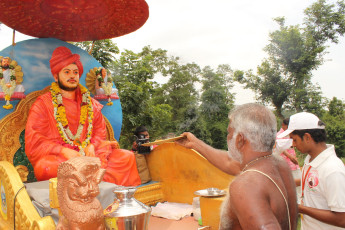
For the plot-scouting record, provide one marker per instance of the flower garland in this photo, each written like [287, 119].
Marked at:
[99, 77]
[8, 88]
[107, 87]
[86, 112]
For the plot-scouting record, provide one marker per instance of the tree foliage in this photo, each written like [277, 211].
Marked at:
[180, 92]
[270, 86]
[335, 125]
[216, 102]
[284, 78]
[198, 100]
[324, 21]
[133, 74]
[104, 51]
[336, 108]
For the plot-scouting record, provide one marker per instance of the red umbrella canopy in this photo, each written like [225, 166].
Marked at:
[74, 20]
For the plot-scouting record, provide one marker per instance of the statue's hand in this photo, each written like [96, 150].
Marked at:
[90, 150]
[113, 144]
[69, 153]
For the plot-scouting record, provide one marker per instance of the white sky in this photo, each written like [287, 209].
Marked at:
[222, 32]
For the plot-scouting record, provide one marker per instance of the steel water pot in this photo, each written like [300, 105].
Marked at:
[126, 213]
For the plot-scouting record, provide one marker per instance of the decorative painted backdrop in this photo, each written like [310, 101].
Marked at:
[33, 56]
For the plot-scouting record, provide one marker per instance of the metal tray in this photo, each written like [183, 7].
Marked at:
[210, 192]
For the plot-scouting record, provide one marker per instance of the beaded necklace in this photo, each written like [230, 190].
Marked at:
[255, 160]
[86, 111]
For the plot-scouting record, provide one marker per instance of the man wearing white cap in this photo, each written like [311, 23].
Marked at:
[323, 175]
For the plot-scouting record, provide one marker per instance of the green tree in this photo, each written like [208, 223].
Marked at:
[284, 78]
[335, 125]
[133, 75]
[104, 51]
[216, 102]
[313, 101]
[324, 22]
[290, 52]
[194, 122]
[270, 86]
[180, 92]
[336, 108]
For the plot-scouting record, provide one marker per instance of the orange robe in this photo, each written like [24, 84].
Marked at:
[43, 142]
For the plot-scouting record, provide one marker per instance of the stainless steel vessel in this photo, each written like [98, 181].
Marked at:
[127, 213]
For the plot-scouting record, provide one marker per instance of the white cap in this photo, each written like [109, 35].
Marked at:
[301, 121]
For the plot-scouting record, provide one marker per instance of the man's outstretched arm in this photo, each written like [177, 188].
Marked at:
[326, 216]
[217, 157]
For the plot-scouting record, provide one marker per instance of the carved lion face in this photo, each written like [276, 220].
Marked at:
[83, 185]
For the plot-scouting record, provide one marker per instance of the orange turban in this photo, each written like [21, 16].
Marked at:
[62, 57]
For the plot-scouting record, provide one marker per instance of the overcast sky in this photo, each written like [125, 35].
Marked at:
[222, 32]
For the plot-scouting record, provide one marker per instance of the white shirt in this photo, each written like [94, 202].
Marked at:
[324, 187]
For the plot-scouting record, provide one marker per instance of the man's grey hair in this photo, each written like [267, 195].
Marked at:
[257, 123]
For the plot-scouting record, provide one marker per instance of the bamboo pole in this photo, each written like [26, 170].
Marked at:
[93, 44]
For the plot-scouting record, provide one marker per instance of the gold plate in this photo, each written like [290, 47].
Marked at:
[158, 142]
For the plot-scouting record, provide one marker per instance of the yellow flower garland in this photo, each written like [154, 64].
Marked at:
[86, 112]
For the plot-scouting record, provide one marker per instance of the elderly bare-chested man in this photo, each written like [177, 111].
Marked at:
[263, 194]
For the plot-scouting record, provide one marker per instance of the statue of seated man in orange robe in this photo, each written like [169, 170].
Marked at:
[66, 122]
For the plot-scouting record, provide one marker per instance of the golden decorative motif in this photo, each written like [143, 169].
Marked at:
[13, 124]
[110, 131]
[91, 79]
[23, 172]
[54, 202]
[150, 194]
[26, 213]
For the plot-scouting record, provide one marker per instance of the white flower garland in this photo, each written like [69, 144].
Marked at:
[107, 87]
[61, 118]
[7, 88]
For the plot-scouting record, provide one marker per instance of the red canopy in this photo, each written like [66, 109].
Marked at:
[74, 20]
